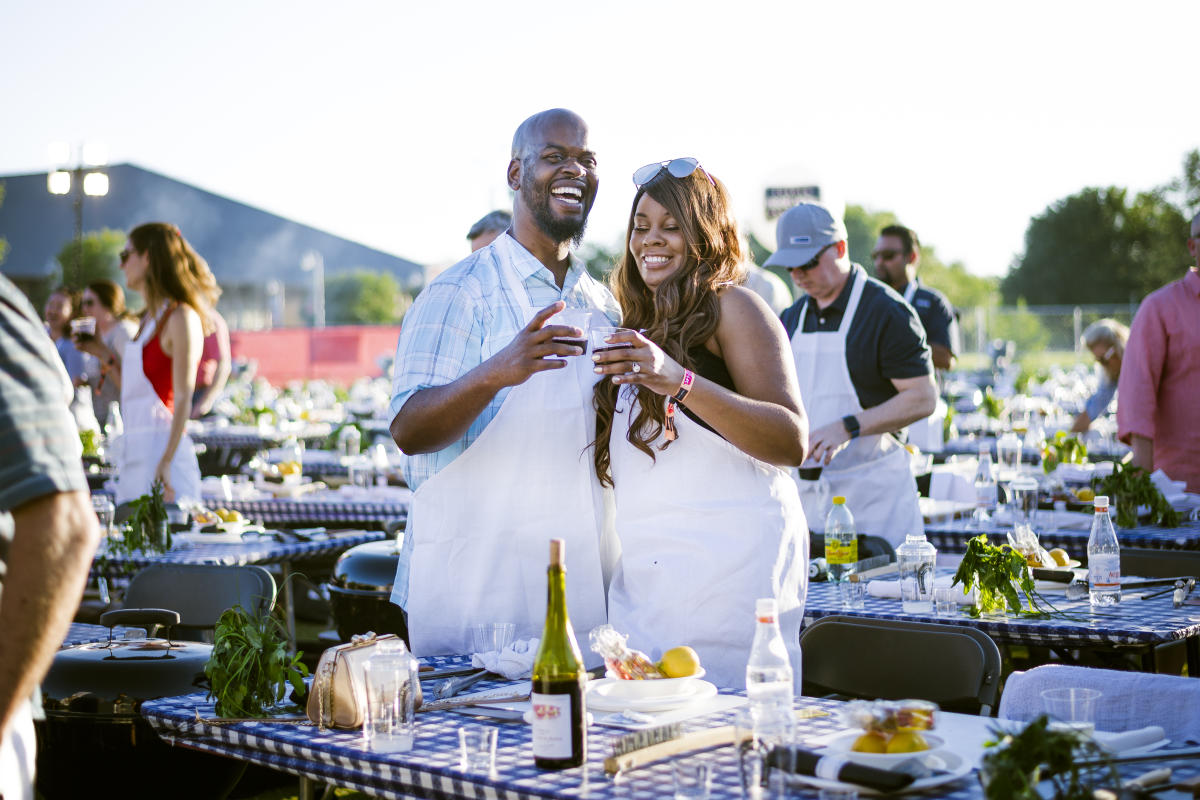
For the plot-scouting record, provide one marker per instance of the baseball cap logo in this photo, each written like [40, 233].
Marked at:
[800, 240]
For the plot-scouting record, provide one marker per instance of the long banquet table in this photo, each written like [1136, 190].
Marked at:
[952, 536]
[431, 769]
[1134, 625]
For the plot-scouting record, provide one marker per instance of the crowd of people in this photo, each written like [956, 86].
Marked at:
[684, 462]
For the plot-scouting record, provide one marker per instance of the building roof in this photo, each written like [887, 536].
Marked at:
[242, 244]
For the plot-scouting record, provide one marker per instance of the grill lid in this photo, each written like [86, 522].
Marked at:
[369, 567]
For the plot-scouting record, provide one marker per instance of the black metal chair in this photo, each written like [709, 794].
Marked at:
[955, 666]
[1146, 563]
[200, 593]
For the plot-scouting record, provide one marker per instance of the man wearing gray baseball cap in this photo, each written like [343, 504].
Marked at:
[865, 372]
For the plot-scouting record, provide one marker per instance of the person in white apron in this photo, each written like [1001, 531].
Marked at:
[493, 485]
[858, 458]
[161, 362]
[709, 520]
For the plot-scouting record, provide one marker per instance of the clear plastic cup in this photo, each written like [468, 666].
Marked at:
[945, 600]
[490, 637]
[693, 779]
[477, 749]
[1073, 708]
[84, 326]
[853, 595]
[599, 339]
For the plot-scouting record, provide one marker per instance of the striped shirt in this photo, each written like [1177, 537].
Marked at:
[464, 317]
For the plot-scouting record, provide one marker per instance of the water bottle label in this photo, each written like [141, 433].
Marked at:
[839, 552]
[551, 725]
[985, 496]
[1104, 571]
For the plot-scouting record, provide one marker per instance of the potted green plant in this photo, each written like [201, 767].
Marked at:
[998, 572]
[250, 669]
[1128, 489]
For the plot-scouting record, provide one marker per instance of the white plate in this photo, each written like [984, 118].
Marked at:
[600, 697]
[956, 767]
[842, 744]
[655, 687]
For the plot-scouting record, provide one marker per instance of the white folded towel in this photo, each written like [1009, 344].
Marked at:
[1128, 699]
[514, 662]
[1117, 743]
[890, 590]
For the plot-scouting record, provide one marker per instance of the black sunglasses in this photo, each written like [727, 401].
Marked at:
[886, 255]
[677, 167]
[125, 254]
[812, 263]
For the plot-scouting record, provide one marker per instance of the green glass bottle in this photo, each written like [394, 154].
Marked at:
[559, 677]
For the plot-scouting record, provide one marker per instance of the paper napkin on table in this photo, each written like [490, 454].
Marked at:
[514, 662]
[1117, 743]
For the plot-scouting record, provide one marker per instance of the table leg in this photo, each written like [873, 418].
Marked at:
[289, 607]
[1193, 656]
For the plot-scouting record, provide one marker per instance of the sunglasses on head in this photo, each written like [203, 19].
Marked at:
[812, 263]
[885, 255]
[677, 167]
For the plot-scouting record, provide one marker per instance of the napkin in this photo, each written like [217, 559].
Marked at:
[890, 590]
[514, 662]
[1129, 740]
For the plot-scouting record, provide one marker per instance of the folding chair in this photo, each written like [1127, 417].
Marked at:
[200, 593]
[1147, 563]
[955, 666]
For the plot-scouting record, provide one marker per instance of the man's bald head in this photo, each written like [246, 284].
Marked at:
[528, 133]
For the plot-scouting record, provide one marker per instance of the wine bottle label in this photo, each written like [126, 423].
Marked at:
[1104, 571]
[551, 725]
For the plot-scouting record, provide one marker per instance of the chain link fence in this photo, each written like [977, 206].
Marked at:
[1034, 329]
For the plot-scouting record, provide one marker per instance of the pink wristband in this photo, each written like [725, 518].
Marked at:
[688, 378]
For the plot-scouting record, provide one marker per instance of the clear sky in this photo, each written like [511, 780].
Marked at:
[390, 122]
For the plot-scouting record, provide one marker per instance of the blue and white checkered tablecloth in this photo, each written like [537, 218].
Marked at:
[252, 550]
[969, 446]
[952, 537]
[431, 769]
[1133, 622]
[82, 633]
[248, 437]
[314, 513]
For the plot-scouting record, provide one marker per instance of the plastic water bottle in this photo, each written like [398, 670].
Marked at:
[841, 541]
[769, 678]
[1104, 558]
[985, 489]
[349, 442]
[917, 559]
[114, 431]
[379, 459]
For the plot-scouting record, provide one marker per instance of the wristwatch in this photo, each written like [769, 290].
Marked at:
[851, 424]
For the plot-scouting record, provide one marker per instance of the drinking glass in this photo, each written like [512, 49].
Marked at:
[477, 748]
[693, 780]
[360, 472]
[853, 595]
[1024, 495]
[105, 510]
[945, 601]
[390, 724]
[492, 637]
[599, 339]
[576, 318]
[85, 326]
[1072, 708]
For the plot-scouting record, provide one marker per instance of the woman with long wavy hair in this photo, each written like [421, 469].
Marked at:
[158, 368]
[697, 420]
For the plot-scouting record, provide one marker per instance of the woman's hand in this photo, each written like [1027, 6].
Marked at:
[162, 474]
[642, 363]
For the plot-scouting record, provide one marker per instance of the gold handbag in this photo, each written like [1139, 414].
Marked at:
[338, 696]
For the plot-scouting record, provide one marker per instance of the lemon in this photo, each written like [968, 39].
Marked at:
[907, 742]
[289, 468]
[870, 742]
[233, 516]
[679, 662]
[1086, 495]
[1060, 556]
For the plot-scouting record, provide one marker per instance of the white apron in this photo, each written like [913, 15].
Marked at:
[481, 527]
[926, 433]
[705, 531]
[18, 755]
[872, 472]
[147, 430]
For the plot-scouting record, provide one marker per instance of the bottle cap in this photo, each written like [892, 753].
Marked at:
[838, 500]
[765, 607]
[1100, 501]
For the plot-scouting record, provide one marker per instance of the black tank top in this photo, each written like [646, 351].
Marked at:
[713, 367]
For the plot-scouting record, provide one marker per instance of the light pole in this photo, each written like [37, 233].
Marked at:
[313, 262]
[85, 178]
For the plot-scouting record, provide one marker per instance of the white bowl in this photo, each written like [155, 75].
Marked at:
[618, 688]
[843, 743]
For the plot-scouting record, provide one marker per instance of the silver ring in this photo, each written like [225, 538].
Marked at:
[637, 367]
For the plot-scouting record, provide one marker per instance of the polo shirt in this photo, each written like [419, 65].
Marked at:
[886, 340]
[937, 316]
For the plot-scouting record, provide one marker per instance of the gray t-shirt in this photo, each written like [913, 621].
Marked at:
[40, 452]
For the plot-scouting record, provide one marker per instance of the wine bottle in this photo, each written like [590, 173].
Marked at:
[559, 735]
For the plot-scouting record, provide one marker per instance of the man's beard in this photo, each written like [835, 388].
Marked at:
[560, 230]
